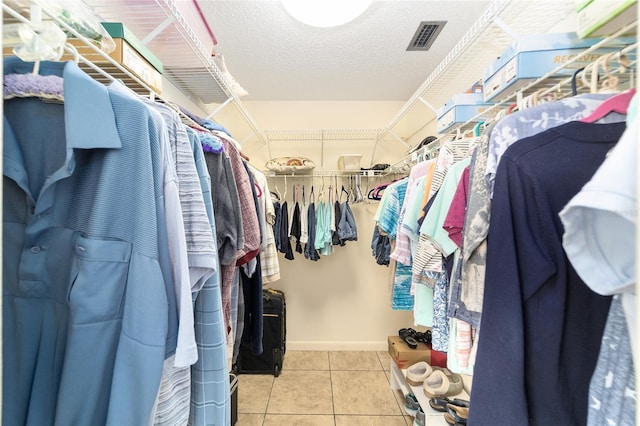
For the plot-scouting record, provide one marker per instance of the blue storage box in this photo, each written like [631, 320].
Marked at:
[460, 109]
[531, 57]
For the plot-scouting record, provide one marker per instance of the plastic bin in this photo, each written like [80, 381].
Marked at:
[349, 162]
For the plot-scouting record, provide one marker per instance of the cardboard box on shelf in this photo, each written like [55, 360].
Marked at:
[129, 52]
[404, 356]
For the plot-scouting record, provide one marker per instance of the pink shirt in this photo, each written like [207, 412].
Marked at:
[454, 222]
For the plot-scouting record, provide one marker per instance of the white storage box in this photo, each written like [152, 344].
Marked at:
[460, 109]
[531, 57]
[349, 162]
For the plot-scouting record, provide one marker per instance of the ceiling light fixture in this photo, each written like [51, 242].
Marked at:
[325, 13]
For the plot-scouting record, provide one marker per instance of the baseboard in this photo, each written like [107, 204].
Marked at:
[337, 346]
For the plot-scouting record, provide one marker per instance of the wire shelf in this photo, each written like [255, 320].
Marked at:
[322, 135]
[186, 62]
[484, 42]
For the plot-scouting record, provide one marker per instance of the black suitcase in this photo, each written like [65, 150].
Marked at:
[273, 338]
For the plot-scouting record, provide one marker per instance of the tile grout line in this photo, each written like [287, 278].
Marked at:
[387, 376]
[266, 409]
[333, 404]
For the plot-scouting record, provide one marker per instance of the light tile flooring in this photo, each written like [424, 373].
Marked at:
[318, 388]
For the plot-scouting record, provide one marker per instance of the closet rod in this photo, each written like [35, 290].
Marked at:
[324, 173]
[568, 79]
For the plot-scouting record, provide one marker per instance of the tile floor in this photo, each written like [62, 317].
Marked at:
[318, 388]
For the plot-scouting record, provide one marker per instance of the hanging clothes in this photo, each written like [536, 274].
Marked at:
[337, 212]
[612, 397]
[277, 238]
[285, 243]
[600, 226]
[310, 251]
[87, 338]
[403, 251]
[296, 227]
[210, 390]
[347, 229]
[270, 266]
[534, 301]
[323, 228]
[521, 124]
[388, 223]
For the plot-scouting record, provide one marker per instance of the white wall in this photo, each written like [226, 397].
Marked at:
[301, 115]
[343, 301]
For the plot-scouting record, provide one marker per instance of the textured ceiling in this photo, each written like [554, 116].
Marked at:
[274, 57]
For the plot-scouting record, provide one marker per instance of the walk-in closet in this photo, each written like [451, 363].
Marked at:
[324, 213]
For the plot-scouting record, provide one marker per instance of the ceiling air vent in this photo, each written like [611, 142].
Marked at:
[426, 34]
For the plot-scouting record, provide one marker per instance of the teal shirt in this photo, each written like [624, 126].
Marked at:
[85, 309]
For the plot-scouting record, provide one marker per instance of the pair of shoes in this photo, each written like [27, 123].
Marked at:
[411, 404]
[456, 415]
[419, 419]
[419, 372]
[440, 404]
[408, 335]
[442, 383]
[424, 337]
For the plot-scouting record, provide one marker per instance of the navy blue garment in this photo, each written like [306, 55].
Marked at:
[310, 251]
[335, 237]
[253, 309]
[541, 325]
[296, 230]
[285, 243]
[381, 247]
[252, 291]
[426, 209]
[276, 224]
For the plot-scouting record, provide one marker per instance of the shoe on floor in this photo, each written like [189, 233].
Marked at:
[442, 383]
[417, 373]
[420, 419]
[457, 413]
[440, 403]
[411, 404]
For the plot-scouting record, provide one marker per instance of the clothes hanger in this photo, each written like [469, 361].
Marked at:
[34, 41]
[345, 192]
[574, 81]
[321, 192]
[304, 201]
[284, 197]
[277, 190]
[29, 85]
[617, 103]
[359, 194]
